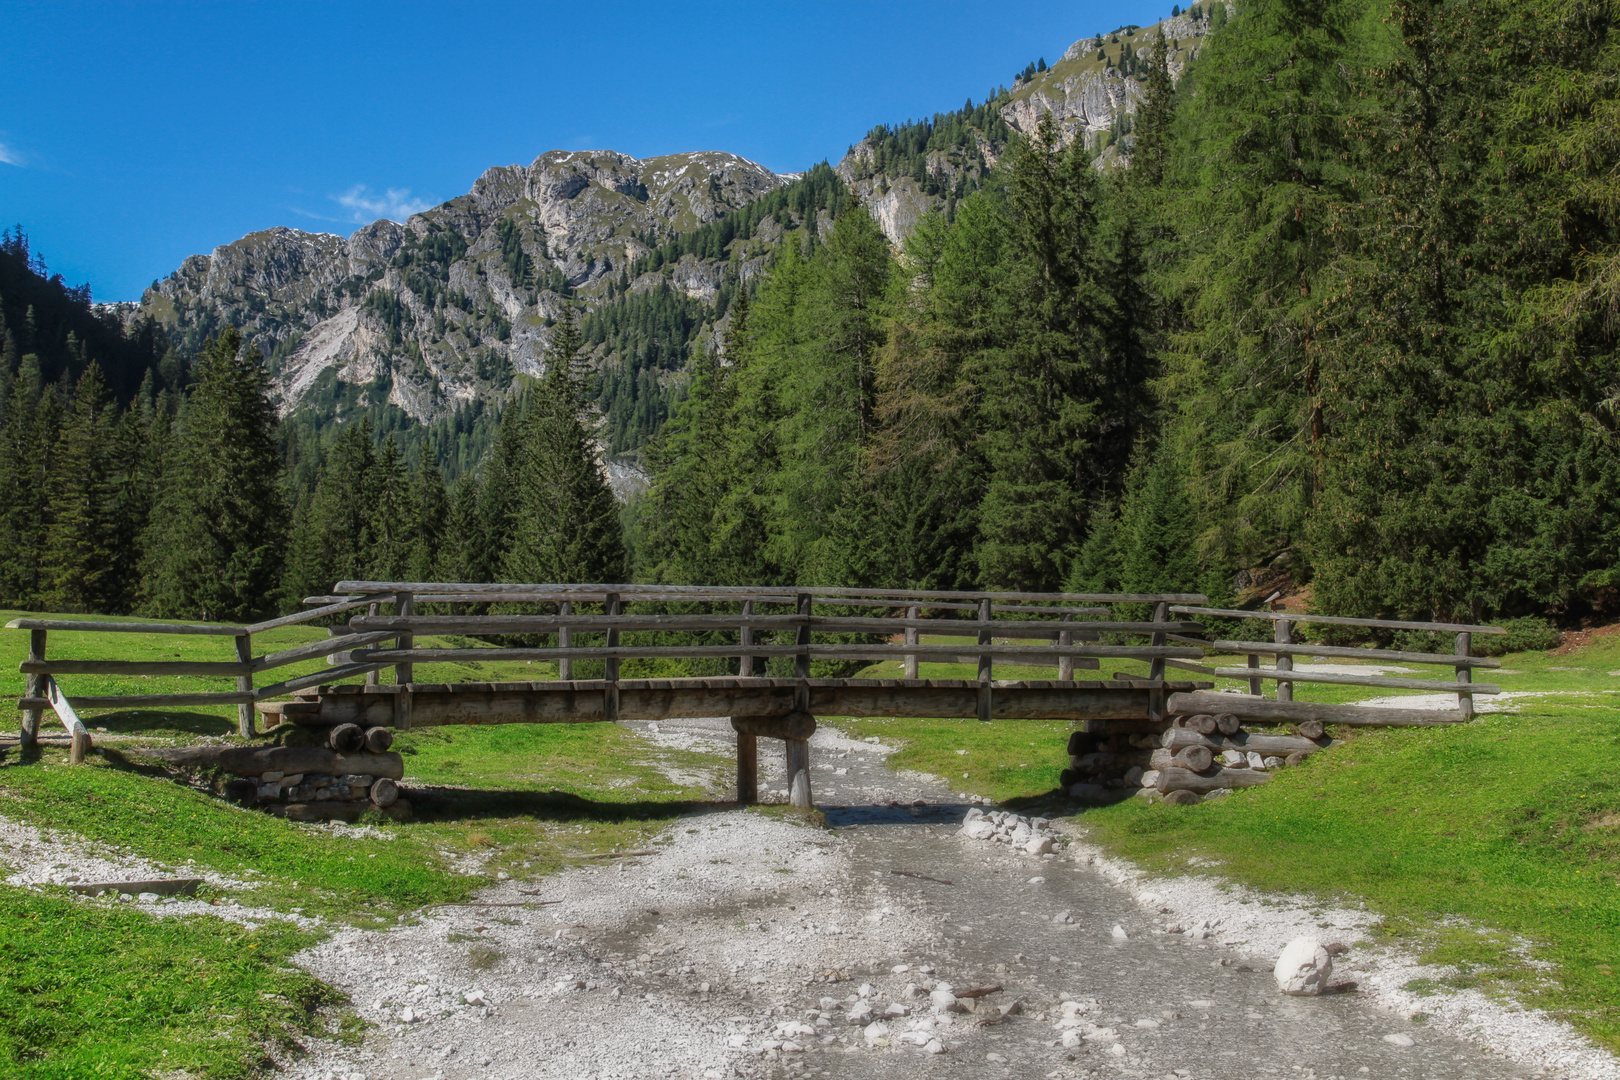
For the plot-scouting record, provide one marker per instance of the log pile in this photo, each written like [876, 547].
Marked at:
[1185, 759]
[355, 772]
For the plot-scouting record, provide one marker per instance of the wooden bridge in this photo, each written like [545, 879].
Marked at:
[763, 645]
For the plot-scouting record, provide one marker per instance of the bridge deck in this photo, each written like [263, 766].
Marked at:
[586, 701]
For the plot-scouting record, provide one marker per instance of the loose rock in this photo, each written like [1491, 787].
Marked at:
[1304, 968]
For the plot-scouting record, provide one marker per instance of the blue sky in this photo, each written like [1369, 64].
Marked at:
[133, 135]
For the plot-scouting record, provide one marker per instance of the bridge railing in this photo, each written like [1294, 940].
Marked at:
[1283, 648]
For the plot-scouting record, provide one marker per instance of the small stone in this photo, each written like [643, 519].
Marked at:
[1273, 762]
[292, 779]
[943, 1001]
[148, 898]
[1255, 760]
[860, 1015]
[475, 997]
[1011, 1008]
[1071, 1039]
[270, 791]
[270, 777]
[900, 969]
[1119, 933]
[407, 1015]
[978, 829]
[864, 990]
[1304, 968]
[896, 1009]
[1039, 845]
[356, 780]
[1063, 917]
[1399, 1039]
[1133, 776]
[876, 1030]
[1147, 1023]
[1201, 1003]
[973, 814]
[1233, 757]
[1118, 1050]
[912, 992]
[934, 1047]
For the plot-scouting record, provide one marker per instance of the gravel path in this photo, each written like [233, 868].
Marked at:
[743, 943]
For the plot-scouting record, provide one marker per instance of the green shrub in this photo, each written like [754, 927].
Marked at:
[1527, 634]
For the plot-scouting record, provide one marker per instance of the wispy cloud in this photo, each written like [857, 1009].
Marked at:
[364, 206]
[10, 155]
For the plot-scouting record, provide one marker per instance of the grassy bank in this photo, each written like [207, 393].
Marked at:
[1493, 846]
[101, 989]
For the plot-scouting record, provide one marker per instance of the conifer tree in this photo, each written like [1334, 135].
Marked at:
[83, 555]
[565, 522]
[214, 548]
[33, 416]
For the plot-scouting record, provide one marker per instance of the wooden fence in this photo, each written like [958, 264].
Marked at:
[1060, 630]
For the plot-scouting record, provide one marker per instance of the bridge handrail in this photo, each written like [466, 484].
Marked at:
[751, 592]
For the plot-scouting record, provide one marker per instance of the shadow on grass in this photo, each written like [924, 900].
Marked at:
[162, 722]
[436, 803]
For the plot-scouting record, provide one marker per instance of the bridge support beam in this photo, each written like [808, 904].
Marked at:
[747, 768]
[794, 730]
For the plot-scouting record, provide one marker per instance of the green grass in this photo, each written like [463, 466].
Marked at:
[1493, 847]
[102, 990]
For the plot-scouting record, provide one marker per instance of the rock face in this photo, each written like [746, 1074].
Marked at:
[444, 308]
[1304, 968]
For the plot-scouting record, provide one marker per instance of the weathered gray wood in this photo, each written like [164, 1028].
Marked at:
[913, 637]
[79, 746]
[378, 740]
[315, 649]
[513, 624]
[1065, 638]
[1257, 685]
[795, 725]
[346, 738]
[745, 638]
[565, 639]
[1465, 698]
[373, 677]
[495, 588]
[125, 627]
[1227, 723]
[797, 752]
[208, 668]
[610, 695]
[747, 767]
[801, 663]
[1194, 757]
[1282, 630]
[1202, 723]
[877, 652]
[384, 791]
[1161, 617]
[312, 614]
[405, 605]
[64, 709]
[332, 674]
[163, 887]
[34, 688]
[255, 761]
[1334, 620]
[1352, 680]
[151, 701]
[1174, 779]
[1279, 711]
[1183, 665]
[985, 662]
[1281, 745]
[244, 685]
[1265, 648]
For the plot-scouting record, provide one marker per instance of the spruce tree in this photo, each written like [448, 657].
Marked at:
[84, 515]
[27, 443]
[565, 521]
[214, 548]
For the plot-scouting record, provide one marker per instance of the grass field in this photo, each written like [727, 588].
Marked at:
[102, 989]
[1493, 846]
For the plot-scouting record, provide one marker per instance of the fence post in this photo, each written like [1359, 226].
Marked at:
[1465, 675]
[244, 684]
[745, 668]
[748, 767]
[801, 661]
[1065, 638]
[373, 678]
[1161, 614]
[29, 736]
[565, 640]
[610, 667]
[404, 604]
[1283, 634]
[912, 636]
[1257, 685]
[985, 665]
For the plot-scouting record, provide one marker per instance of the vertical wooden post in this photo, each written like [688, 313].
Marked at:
[610, 694]
[747, 767]
[913, 635]
[373, 678]
[29, 735]
[404, 604]
[798, 773]
[1161, 614]
[244, 684]
[801, 661]
[1465, 700]
[1065, 665]
[1257, 685]
[565, 640]
[745, 669]
[78, 746]
[1284, 635]
[985, 666]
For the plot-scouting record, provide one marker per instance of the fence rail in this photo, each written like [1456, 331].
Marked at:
[995, 627]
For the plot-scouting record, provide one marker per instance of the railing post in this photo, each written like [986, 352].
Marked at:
[912, 637]
[1161, 614]
[745, 669]
[1257, 685]
[565, 640]
[801, 661]
[404, 604]
[244, 684]
[373, 677]
[29, 736]
[985, 665]
[1465, 675]
[1065, 664]
[1283, 634]
[610, 666]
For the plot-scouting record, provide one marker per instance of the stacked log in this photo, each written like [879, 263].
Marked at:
[308, 783]
[1185, 759]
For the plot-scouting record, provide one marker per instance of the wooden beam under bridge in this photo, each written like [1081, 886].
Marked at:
[585, 701]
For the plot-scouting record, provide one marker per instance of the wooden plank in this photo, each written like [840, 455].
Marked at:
[244, 685]
[1182, 665]
[157, 701]
[204, 668]
[405, 606]
[287, 686]
[1280, 745]
[513, 624]
[880, 652]
[1334, 620]
[316, 649]
[1262, 709]
[220, 630]
[64, 709]
[1351, 680]
[740, 592]
[1267, 648]
[795, 725]
[315, 613]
